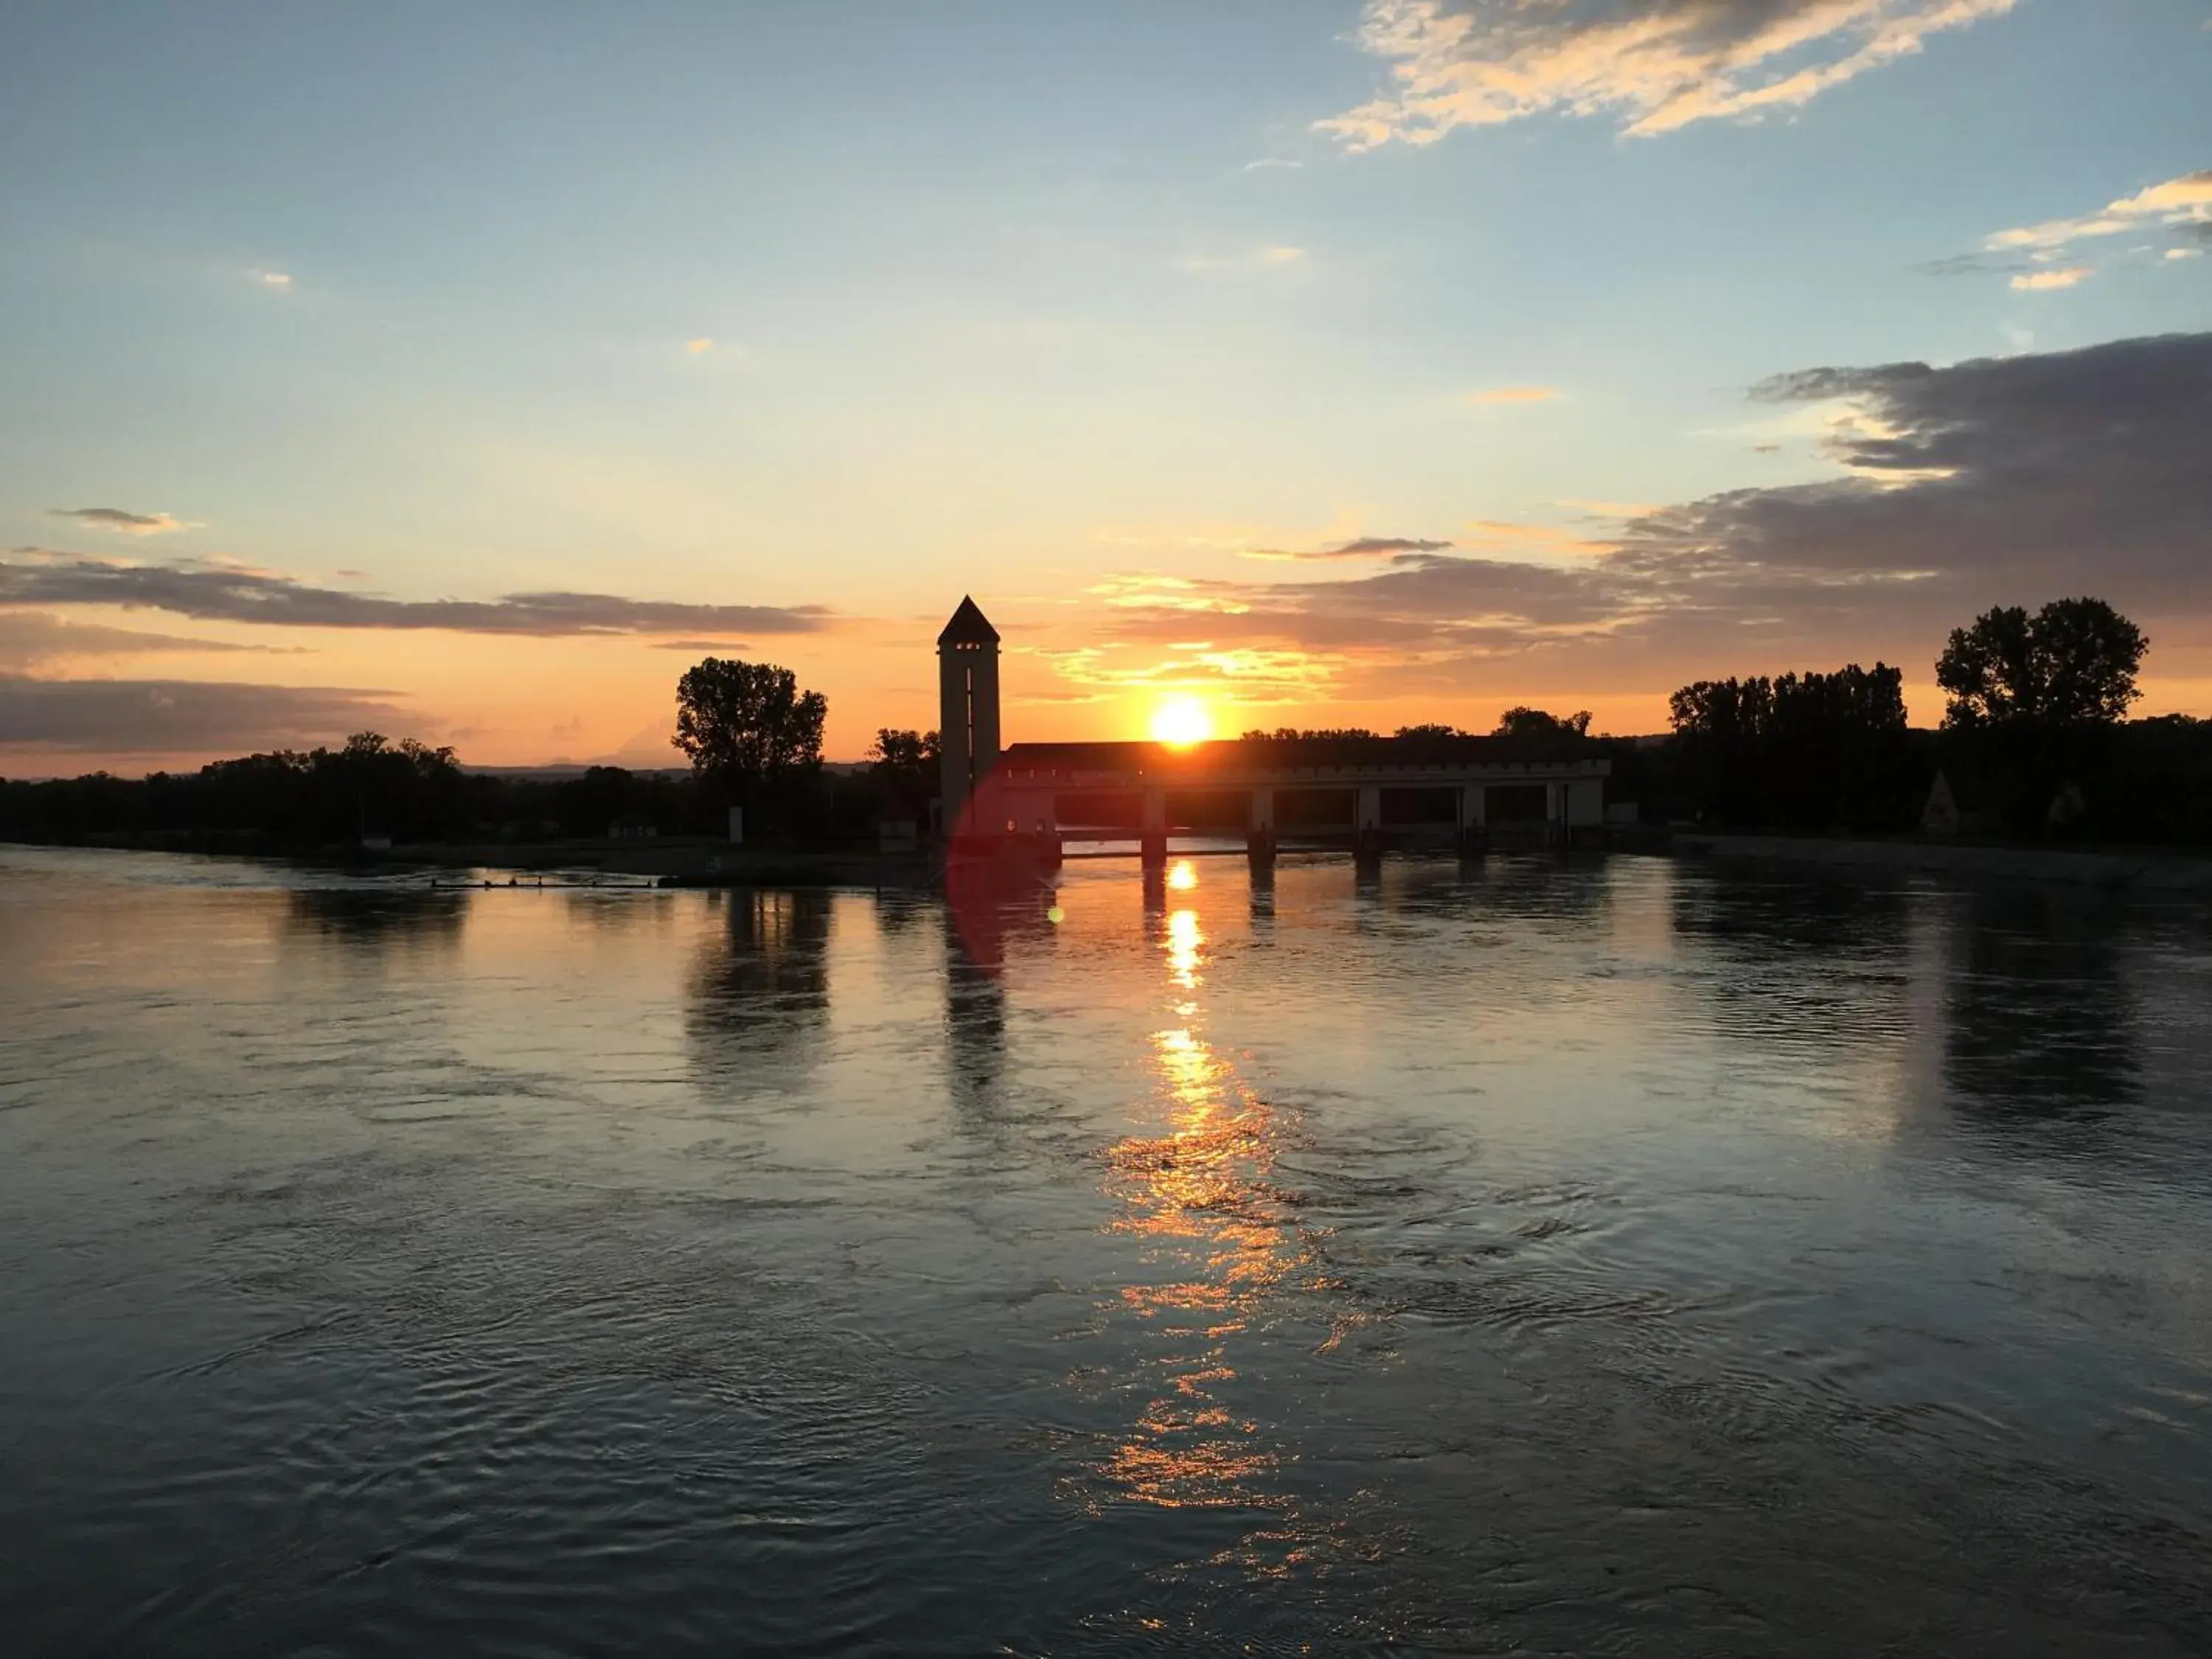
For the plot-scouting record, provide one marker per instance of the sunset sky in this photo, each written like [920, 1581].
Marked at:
[469, 371]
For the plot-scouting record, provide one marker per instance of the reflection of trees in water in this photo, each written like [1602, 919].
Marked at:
[1782, 920]
[1402, 903]
[1797, 961]
[1553, 888]
[898, 909]
[379, 916]
[760, 986]
[2040, 1020]
[2037, 1018]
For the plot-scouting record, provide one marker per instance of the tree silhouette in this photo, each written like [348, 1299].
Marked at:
[747, 725]
[904, 764]
[1800, 750]
[1522, 722]
[2072, 664]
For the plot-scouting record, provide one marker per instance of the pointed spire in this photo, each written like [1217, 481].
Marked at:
[969, 626]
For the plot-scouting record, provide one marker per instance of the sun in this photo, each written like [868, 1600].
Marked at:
[1182, 722]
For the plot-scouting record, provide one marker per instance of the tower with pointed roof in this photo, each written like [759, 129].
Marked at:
[966, 708]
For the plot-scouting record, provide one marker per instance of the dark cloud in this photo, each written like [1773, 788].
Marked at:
[180, 717]
[2050, 471]
[32, 636]
[115, 517]
[1999, 480]
[112, 518]
[219, 593]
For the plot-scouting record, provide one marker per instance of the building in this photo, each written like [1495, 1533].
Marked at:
[966, 708]
[1368, 790]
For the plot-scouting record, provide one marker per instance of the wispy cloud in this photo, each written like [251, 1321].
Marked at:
[1242, 673]
[1657, 65]
[1266, 162]
[2184, 201]
[181, 717]
[2047, 282]
[1513, 394]
[1364, 547]
[122, 523]
[1150, 590]
[226, 593]
[700, 347]
[29, 637]
[277, 281]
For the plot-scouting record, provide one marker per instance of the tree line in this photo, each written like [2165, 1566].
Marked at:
[2034, 742]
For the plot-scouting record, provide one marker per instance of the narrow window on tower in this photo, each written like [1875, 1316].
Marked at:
[969, 676]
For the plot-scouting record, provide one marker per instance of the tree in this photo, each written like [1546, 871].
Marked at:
[905, 767]
[1803, 751]
[1522, 721]
[2071, 665]
[900, 751]
[748, 724]
[1429, 729]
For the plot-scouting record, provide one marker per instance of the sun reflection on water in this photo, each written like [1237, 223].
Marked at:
[1198, 1192]
[1185, 940]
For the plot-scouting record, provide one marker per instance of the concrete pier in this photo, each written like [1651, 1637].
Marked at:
[1152, 831]
[1473, 832]
[1259, 828]
[1367, 821]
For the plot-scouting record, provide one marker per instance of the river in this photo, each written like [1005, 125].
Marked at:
[1541, 1257]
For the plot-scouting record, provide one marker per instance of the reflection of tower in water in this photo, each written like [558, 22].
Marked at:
[974, 1020]
[1198, 1193]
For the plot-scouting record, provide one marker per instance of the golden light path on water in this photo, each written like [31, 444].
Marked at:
[1197, 1190]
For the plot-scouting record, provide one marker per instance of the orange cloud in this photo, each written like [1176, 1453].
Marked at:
[1662, 64]
[2046, 282]
[2184, 201]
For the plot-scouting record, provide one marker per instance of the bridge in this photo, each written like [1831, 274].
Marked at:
[1370, 790]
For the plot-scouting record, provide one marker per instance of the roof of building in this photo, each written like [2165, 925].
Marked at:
[969, 626]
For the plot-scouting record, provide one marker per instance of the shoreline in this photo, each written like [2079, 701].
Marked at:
[2158, 872]
[683, 862]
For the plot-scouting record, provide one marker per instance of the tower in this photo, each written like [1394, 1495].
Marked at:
[967, 706]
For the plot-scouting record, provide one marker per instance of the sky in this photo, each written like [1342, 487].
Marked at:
[467, 372]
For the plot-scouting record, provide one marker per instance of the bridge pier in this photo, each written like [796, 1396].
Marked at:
[1367, 822]
[1152, 833]
[1473, 832]
[1259, 828]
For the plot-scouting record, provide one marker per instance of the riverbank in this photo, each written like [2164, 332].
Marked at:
[677, 862]
[2152, 871]
[674, 861]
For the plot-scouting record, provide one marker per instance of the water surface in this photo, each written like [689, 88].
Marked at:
[1533, 1257]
